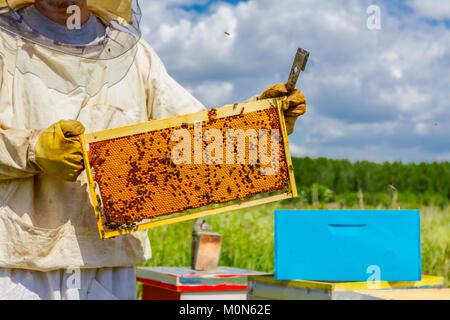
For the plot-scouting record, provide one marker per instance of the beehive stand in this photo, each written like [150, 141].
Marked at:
[135, 185]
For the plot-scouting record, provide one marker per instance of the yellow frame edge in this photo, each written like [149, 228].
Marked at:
[96, 204]
[177, 121]
[427, 281]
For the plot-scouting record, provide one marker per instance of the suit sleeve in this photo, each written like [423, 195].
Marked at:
[16, 151]
[16, 148]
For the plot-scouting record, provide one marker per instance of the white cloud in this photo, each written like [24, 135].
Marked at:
[434, 9]
[299, 151]
[405, 98]
[366, 90]
[423, 128]
[213, 93]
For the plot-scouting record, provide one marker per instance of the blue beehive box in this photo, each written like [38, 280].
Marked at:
[347, 245]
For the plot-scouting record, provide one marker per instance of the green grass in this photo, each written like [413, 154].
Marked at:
[436, 242]
[249, 239]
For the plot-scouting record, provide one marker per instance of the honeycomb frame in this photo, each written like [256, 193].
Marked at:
[101, 204]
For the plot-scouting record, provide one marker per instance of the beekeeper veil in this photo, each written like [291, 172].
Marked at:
[65, 66]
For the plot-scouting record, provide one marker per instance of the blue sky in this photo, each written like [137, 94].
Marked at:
[202, 6]
[372, 94]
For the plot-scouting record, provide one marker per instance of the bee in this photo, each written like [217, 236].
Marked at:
[229, 190]
[218, 183]
[197, 187]
[212, 114]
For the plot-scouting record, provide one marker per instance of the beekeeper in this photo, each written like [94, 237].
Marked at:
[65, 70]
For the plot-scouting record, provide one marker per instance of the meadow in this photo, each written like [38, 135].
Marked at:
[248, 235]
[248, 241]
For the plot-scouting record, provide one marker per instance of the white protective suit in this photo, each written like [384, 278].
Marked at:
[47, 225]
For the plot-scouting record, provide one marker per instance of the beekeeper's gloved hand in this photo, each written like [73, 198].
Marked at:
[58, 151]
[293, 107]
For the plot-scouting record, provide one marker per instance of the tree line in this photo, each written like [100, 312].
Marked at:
[343, 176]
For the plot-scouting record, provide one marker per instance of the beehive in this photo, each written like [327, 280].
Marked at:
[137, 182]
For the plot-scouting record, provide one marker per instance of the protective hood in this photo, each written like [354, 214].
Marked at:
[119, 8]
[66, 67]
[122, 20]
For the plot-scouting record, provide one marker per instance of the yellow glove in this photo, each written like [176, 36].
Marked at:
[58, 151]
[294, 106]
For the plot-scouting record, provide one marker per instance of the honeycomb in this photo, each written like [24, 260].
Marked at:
[138, 180]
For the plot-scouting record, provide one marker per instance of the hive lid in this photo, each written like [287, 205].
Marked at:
[179, 277]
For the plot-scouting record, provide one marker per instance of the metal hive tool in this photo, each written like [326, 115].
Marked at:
[135, 184]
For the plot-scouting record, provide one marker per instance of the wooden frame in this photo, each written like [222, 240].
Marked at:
[226, 111]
